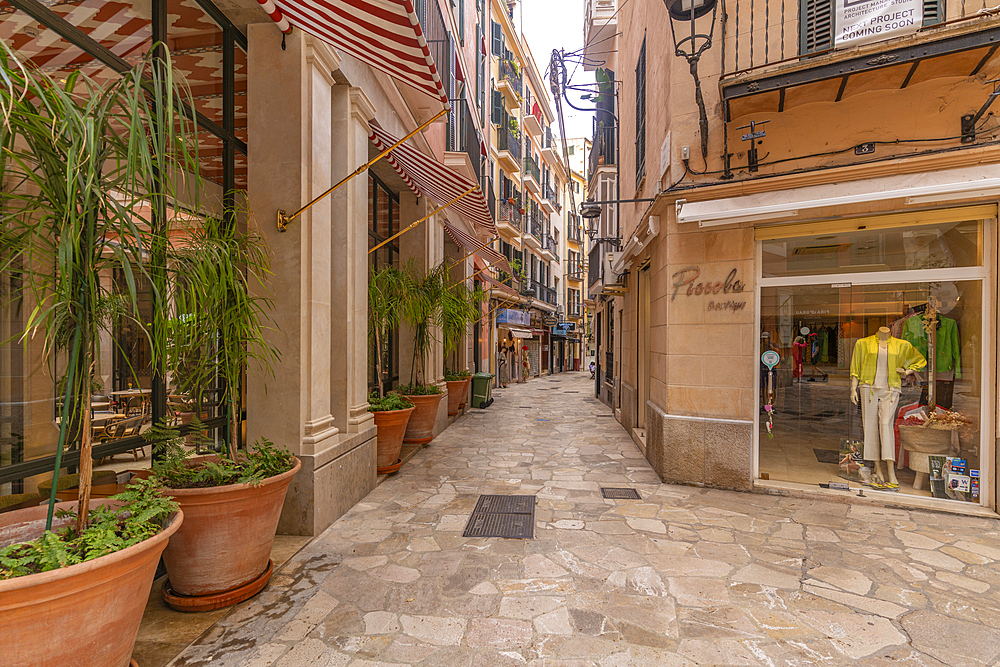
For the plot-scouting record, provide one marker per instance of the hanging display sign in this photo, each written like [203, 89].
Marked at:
[866, 21]
[512, 316]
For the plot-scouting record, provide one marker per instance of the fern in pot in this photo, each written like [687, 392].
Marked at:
[80, 161]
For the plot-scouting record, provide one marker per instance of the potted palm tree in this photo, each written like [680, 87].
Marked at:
[391, 411]
[420, 295]
[232, 501]
[460, 307]
[80, 161]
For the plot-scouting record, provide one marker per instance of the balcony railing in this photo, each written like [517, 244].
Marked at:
[531, 168]
[463, 137]
[602, 152]
[510, 142]
[541, 292]
[510, 74]
[552, 195]
[509, 215]
[553, 247]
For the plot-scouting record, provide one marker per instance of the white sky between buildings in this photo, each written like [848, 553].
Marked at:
[558, 24]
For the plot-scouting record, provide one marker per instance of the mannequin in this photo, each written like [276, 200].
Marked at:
[876, 367]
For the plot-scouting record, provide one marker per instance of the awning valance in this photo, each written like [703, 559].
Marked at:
[428, 177]
[473, 244]
[384, 34]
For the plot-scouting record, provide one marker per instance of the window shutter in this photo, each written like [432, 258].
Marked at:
[461, 21]
[640, 115]
[933, 12]
[497, 41]
[497, 115]
[816, 26]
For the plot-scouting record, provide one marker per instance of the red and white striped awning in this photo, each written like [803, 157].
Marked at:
[382, 33]
[428, 177]
[473, 244]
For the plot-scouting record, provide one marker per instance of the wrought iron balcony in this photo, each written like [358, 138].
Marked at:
[602, 151]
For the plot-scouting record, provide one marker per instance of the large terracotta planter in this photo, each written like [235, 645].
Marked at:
[457, 392]
[221, 556]
[465, 393]
[85, 615]
[391, 427]
[420, 430]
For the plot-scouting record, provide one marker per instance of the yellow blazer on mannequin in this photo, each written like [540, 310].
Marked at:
[901, 354]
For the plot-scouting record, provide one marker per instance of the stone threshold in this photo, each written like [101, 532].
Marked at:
[872, 497]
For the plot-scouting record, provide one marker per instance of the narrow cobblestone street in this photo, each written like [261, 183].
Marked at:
[685, 576]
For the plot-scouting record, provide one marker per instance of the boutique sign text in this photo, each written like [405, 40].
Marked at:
[866, 21]
[688, 282]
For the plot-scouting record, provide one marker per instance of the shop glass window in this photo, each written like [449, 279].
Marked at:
[852, 248]
[815, 429]
[29, 380]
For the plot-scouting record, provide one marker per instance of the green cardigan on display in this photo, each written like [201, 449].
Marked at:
[947, 348]
[902, 354]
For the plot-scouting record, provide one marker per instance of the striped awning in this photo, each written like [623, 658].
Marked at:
[473, 244]
[428, 177]
[382, 33]
[498, 285]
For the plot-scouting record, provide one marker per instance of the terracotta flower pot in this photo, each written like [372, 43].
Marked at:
[391, 427]
[222, 554]
[86, 615]
[456, 395]
[465, 393]
[420, 430]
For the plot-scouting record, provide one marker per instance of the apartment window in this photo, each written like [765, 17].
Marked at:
[461, 21]
[640, 115]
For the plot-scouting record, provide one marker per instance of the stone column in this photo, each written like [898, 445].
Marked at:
[298, 136]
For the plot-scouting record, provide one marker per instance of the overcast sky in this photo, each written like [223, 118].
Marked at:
[558, 24]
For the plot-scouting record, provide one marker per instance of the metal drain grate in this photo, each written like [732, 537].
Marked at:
[502, 516]
[604, 415]
[620, 493]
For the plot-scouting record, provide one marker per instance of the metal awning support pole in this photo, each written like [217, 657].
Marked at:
[284, 219]
[429, 215]
[473, 252]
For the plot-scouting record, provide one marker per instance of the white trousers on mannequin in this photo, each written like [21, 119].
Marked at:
[878, 409]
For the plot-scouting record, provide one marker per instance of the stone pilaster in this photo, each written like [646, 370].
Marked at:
[301, 144]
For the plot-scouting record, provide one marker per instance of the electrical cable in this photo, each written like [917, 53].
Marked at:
[840, 151]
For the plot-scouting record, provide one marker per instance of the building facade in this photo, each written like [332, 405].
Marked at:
[789, 230]
[530, 178]
[281, 118]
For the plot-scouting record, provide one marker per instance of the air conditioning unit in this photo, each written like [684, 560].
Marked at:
[610, 277]
[614, 283]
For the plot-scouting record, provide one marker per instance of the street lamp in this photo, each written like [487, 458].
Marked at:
[591, 211]
[692, 45]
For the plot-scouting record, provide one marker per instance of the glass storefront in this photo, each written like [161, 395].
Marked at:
[874, 321]
[209, 54]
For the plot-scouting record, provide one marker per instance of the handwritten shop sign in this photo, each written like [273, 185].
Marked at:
[689, 282]
[866, 21]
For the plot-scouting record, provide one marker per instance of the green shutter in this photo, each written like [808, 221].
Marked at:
[816, 25]
[933, 12]
[497, 41]
[497, 116]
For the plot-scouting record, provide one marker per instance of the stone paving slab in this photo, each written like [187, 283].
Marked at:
[683, 577]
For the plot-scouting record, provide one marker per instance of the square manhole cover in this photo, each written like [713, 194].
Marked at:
[620, 493]
[502, 516]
